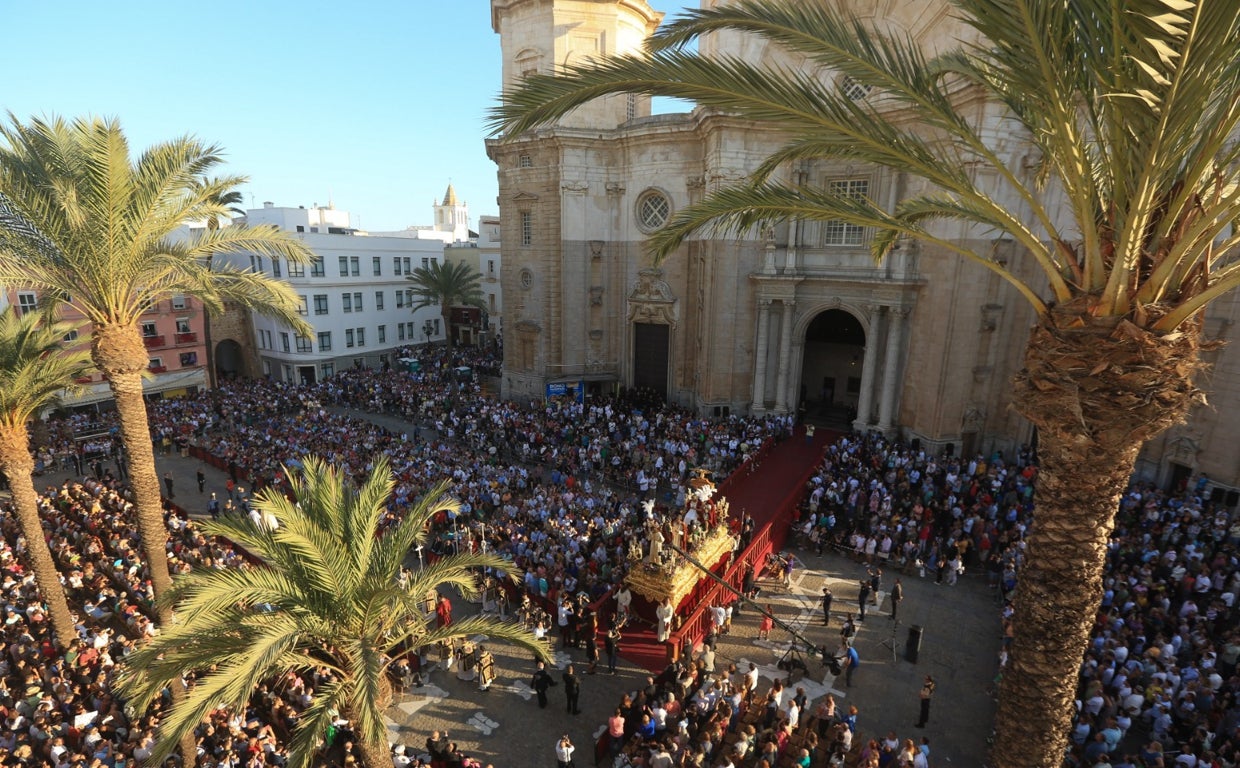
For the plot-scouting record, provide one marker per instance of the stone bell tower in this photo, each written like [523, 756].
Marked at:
[543, 35]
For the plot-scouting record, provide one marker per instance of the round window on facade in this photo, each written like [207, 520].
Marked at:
[853, 89]
[653, 210]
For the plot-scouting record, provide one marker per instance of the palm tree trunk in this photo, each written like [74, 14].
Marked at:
[118, 351]
[375, 755]
[446, 311]
[1092, 420]
[17, 464]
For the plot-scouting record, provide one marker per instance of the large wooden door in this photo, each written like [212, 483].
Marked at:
[650, 353]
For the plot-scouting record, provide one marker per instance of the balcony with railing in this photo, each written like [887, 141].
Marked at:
[186, 338]
[158, 369]
[152, 342]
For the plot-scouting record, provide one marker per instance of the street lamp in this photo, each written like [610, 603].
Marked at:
[428, 328]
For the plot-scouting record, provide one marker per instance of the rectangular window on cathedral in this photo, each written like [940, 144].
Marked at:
[527, 228]
[835, 231]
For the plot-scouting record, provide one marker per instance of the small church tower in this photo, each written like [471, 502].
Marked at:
[452, 216]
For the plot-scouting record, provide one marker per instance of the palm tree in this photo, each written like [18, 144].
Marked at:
[1131, 112]
[448, 285]
[326, 593]
[35, 370]
[95, 230]
[230, 200]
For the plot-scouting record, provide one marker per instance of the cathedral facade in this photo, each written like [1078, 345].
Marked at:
[796, 318]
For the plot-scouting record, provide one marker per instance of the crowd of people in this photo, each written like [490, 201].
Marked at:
[558, 494]
[59, 707]
[1159, 683]
[557, 487]
[697, 714]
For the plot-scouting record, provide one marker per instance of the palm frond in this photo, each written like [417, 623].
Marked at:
[411, 530]
[263, 239]
[311, 731]
[80, 217]
[459, 571]
[324, 594]
[268, 297]
[35, 368]
[449, 284]
[362, 514]
[1131, 107]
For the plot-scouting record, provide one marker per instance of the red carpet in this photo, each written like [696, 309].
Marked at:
[762, 488]
[781, 473]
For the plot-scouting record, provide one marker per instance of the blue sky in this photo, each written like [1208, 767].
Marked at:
[377, 104]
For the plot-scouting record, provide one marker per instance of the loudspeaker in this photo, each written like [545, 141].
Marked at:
[913, 647]
[915, 446]
[1233, 498]
[1217, 494]
[949, 450]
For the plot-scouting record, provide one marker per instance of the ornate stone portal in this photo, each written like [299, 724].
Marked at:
[652, 300]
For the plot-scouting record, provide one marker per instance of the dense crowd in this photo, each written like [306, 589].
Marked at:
[698, 714]
[562, 514]
[557, 486]
[58, 707]
[1159, 684]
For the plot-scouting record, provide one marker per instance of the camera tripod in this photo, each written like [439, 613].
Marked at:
[891, 641]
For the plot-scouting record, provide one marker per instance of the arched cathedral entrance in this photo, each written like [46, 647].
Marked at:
[831, 369]
[228, 360]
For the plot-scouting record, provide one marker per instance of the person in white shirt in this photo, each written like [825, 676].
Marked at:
[922, 758]
[751, 679]
[664, 614]
[624, 598]
[564, 752]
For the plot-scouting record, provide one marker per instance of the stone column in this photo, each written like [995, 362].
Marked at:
[759, 363]
[785, 357]
[895, 339]
[869, 371]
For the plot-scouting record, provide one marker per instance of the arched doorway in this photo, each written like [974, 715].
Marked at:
[228, 360]
[831, 370]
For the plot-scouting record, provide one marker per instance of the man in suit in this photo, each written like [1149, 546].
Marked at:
[572, 690]
[612, 646]
[541, 683]
[826, 606]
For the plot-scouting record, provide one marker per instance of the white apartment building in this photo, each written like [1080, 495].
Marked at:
[354, 295]
[489, 266]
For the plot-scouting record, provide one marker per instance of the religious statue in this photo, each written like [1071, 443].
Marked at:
[655, 552]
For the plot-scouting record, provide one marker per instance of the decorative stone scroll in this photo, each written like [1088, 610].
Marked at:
[652, 301]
